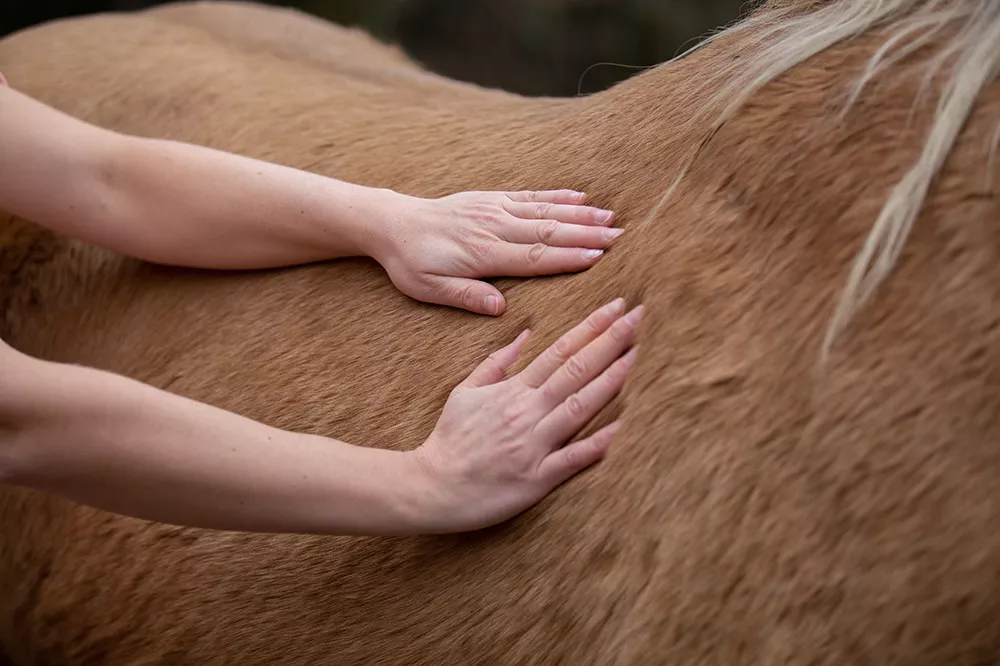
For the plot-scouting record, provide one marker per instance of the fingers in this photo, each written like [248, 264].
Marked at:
[539, 259]
[582, 367]
[572, 459]
[559, 234]
[540, 369]
[583, 405]
[568, 213]
[552, 196]
[472, 295]
[495, 366]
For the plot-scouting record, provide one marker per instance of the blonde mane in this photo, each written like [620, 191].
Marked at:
[788, 33]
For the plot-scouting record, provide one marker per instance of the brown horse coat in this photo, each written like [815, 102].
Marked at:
[757, 508]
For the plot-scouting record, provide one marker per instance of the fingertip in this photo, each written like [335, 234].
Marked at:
[493, 305]
[603, 437]
[611, 234]
[578, 456]
[608, 313]
[635, 315]
[561, 196]
[570, 460]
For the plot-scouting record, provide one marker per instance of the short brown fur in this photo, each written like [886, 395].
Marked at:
[754, 509]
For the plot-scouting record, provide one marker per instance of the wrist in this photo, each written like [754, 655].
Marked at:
[417, 498]
[416, 501]
[432, 483]
[366, 491]
[366, 218]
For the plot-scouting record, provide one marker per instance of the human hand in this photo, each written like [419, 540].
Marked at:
[497, 448]
[435, 250]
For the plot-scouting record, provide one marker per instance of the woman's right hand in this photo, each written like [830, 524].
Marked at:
[498, 447]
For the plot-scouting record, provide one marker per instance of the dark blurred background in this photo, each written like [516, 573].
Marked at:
[534, 47]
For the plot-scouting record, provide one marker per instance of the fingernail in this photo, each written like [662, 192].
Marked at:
[523, 336]
[592, 254]
[635, 316]
[580, 196]
[611, 234]
[605, 216]
[615, 306]
[492, 304]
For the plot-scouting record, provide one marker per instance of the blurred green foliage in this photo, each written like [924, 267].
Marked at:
[535, 47]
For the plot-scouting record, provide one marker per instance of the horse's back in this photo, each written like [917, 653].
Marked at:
[757, 507]
[297, 36]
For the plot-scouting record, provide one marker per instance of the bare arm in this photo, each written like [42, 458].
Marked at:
[177, 203]
[120, 445]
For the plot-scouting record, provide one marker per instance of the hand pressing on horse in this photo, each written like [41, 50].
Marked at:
[123, 446]
[178, 203]
[498, 447]
[436, 250]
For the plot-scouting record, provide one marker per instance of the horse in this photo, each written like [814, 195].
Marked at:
[807, 469]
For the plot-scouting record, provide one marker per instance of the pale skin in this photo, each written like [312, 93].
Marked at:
[111, 442]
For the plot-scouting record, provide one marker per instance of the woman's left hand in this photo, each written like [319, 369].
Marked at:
[437, 250]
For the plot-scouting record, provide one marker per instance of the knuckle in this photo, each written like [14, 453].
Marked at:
[576, 368]
[526, 466]
[575, 406]
[573, 458]
[467, 296]
[621, 332]
[549, 395]
[485, 216]
[542, 210]
[423, 280]
[546, 230]
[536, 252]
[596, 322]
[561, 350]
[479, 250]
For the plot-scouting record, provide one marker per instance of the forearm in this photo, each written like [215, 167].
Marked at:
[125, 447]
[177, 203]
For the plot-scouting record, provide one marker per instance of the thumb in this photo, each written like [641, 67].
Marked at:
[472, 295]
